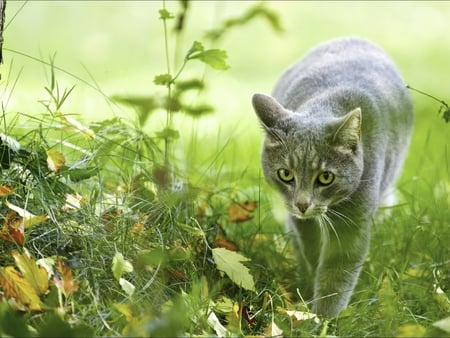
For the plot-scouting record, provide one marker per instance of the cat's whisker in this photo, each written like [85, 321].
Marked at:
[323, 228]
[347, 220]
[327, 219]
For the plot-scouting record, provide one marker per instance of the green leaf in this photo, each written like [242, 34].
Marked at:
[191, 84]
[230, 263]
[77, 175]
[196, 48]
[168, 133]
[162, 79]
[164, 14]
[54, 326]
[200, 110]
[12, 323]
[127, 286]
[34, 274]
[215, 58]
[120, 266]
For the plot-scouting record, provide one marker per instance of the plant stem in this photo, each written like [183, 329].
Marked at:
[169, 92]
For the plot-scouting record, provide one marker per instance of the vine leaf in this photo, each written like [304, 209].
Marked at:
[215, 58]
[230, 263]
[163, 79]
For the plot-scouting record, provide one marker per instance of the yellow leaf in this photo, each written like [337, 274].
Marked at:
[16, 287]
[28, 218]
[411, 330]
[34, 274]
[55, 160]
[63, 278]
[73, 202]
[13, 229]
[241, 212]
[230, 263]
[77, 125]
[5, 191]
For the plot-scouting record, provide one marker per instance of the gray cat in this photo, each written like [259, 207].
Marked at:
[337, 129]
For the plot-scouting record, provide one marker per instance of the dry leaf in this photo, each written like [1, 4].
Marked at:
[73, 202]
[241, 212]
[63, 278]
[28, 218]
[15, 286]
[13, 228]
[77, 125]
[34, 274]
[55, 160]
[224, 243]
[5, 191]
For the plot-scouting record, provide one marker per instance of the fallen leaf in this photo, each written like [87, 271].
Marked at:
[63, 278]
[411, 330]
[28, 218]
[55, 160]
[34, 274]
[214, 323]
[73, 202]
[13, 228]
[302, 316]
[120, 266]
[77, 125]
[230, 263]
[127, 286]
[5, 190]
[241, 212]
[443, 324]
[273, 330]
[224, 243]
[15, 286]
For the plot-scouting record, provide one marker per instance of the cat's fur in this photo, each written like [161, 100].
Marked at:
[342, 114]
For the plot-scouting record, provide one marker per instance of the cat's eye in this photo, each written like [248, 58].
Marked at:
[285, 175]
[325, 178]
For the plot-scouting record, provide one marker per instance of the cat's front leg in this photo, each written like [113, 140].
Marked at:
[340, 264]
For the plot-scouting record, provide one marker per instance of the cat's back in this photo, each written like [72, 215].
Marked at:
[348, 65]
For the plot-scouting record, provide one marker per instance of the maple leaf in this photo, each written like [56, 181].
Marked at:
[241, 212]
[63, 279]
[55, 160]
[230, 263]
[34, 274]
[15, 286]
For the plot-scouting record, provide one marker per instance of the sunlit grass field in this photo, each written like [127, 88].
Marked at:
[140, 236]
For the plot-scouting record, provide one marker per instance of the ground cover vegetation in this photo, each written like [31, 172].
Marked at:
[107, 230]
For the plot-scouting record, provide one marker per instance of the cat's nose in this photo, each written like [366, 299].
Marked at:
[302, 207]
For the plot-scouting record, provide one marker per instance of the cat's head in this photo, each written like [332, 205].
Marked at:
[314, 161]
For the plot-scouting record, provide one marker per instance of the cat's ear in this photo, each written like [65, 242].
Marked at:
[268, 110]
[348, 132]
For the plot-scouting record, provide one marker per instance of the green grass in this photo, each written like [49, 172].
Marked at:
[167, 232]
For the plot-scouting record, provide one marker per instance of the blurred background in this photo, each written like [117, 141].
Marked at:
[108, 48]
